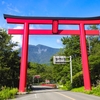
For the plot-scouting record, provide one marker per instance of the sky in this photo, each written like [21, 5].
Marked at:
[46, 8]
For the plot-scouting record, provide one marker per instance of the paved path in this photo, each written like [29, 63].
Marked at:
[45, 93]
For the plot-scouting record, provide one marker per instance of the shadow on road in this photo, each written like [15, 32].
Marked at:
[43, 89]
[39, 89]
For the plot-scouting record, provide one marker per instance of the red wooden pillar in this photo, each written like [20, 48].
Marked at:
[85, 66]
[24, 58]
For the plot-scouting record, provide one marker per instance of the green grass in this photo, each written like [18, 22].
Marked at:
[63, 88]
[8, 93]
[94, 91]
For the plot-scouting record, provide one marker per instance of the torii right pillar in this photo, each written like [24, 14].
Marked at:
[84, 58]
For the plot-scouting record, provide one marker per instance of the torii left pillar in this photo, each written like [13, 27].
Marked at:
[24, 55]
[24, 58]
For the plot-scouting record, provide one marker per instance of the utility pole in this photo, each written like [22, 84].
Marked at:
[89, 45]
[71, 68]
[63, 60]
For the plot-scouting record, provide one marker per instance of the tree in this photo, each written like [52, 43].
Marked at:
[94, 58]
[72, 48]
[61, 72]
[45, 72]
[9, 60]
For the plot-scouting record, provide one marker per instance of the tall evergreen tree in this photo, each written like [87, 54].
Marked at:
[9, 60]
[94, 58]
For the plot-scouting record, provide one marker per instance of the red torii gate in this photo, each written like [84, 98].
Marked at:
[54, 21]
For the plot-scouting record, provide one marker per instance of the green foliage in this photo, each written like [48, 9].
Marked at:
[8, 93]
[64, 87]
[79, 89]
[91, 27]
[94, 62]
[68, 85]
[43, 70]
[9, 61]
[61, 72]
[94, 91]
[78, 80]
[72, 48]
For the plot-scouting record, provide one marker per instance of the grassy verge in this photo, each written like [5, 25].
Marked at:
[94, 91]
[8, 93]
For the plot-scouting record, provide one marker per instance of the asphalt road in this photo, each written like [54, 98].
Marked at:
[45, 93]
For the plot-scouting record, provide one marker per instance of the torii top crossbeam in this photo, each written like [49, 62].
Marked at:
[55, 22]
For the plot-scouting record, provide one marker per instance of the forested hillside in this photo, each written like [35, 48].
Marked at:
[40, 53]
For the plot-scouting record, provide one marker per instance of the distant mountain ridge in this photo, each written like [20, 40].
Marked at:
[40, 53]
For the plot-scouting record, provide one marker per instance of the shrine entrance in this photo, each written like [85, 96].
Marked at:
[55, 22]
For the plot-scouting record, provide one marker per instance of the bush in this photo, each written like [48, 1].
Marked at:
[80, 89]
[94, 91]
[77, 80]
[8, 93]
[68, 85]
[63, 88]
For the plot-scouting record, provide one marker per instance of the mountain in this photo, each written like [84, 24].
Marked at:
[40, 53]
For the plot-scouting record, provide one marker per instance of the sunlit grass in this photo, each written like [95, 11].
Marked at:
[94, 91]
[7, 93]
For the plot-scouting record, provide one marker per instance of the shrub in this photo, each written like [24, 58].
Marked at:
[94, 91]
[13, 92]
[80, 89]
[7, 93]
[63, 88]
[77, 80]
[68, 85]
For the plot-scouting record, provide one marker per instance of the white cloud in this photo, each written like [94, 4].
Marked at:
[67, 27]
[58, 41]
[10, 8]
[16, 10]
[38, 27]
[31, 27]
[13, 9]
[19, 27]
[35, 27]
[3, 2]
[17, 38]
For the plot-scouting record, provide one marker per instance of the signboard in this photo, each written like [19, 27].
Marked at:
[47, 81]
[59, 59]
[37, 76]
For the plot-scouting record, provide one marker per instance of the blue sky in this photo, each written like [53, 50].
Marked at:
[56, 8]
